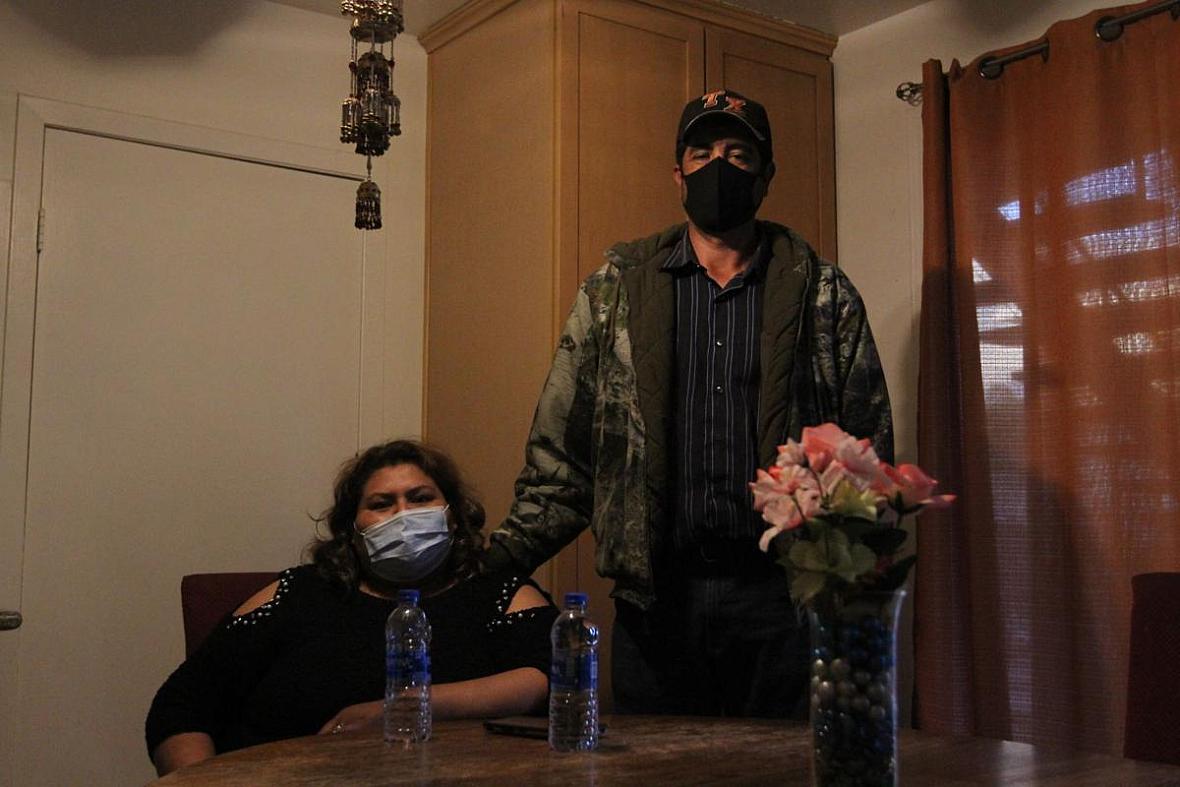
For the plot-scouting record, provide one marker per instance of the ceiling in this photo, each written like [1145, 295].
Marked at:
[837, 17]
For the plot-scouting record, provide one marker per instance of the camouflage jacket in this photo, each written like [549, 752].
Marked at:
[598, 449]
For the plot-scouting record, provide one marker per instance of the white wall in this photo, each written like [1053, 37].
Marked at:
[879, 160]
[247, 66]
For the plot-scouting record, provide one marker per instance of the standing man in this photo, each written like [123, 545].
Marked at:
[685, 361]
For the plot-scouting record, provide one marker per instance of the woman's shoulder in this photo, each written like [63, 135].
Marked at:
[510, 596]
[499, 585]
[279, 594]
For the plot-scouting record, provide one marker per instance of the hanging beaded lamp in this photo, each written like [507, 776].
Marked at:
[372, 113]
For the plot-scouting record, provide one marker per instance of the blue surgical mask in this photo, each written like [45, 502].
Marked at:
[409, 545]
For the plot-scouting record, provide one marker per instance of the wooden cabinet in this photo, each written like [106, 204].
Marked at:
[551, 136]
[630, 71]
[795, 86]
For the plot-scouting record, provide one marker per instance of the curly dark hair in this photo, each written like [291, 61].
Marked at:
[334, 554]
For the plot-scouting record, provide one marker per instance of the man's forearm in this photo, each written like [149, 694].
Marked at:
[499, 558]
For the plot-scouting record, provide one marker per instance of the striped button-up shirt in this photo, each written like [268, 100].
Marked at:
[715, 432]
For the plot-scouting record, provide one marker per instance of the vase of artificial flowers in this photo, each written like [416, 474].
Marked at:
[854, 690]
[833, 508]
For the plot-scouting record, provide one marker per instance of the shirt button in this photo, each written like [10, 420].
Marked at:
[720, 343]
[719, 389]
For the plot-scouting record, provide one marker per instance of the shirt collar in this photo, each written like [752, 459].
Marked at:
[684, 259]
[682, 255]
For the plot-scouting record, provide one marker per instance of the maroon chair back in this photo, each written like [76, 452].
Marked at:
[206, 598]
[1153, 670]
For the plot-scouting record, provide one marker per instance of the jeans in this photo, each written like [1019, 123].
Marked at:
[713, 646]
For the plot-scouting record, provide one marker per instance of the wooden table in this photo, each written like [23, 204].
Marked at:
[644, 751]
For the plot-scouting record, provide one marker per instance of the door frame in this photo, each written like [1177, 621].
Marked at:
[24, 121]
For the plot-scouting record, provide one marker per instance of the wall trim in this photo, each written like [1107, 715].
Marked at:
[475, 12]
[334, 161]
[751, 22]
[459, 22]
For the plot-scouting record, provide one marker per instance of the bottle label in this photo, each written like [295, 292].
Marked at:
[572, 671]
[408, 667]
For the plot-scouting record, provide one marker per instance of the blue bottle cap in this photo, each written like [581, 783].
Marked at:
[408, 597]
[576, 599]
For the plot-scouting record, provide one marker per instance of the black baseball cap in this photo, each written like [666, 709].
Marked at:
[727, 103]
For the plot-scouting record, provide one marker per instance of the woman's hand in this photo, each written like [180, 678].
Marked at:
[363, 716]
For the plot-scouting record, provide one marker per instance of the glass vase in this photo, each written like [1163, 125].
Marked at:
[854, 691]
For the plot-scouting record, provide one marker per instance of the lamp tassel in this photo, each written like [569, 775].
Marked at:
[368, 206]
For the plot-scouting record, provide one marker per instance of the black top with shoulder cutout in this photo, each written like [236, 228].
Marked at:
[284, 669]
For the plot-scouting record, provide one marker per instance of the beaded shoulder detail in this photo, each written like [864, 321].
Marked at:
[503, 600]
[266, 609]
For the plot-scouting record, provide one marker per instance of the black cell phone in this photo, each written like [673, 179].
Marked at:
[525, 726]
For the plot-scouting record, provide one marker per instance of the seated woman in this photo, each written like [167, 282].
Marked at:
[306, 654]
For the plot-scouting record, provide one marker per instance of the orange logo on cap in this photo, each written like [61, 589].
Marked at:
[710, 99]
[735, 105]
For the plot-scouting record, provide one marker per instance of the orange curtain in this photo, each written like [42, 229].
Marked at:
[1049, 396]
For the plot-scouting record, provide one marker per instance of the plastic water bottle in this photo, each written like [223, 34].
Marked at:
[573, 679]
[407, 672]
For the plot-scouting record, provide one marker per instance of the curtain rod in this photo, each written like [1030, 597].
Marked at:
[1108, 28]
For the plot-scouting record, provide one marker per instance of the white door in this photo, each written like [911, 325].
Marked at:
[193, 379]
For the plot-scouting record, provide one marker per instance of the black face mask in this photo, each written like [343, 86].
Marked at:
[720, 196]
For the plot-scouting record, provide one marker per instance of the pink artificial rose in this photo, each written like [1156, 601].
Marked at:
[767, 537]
[863, 467]
[809, 500]
[783, 515]
[939, 501]
[767, 487]
[795, 477]
[837, 471]
[790, 454]
[820, 442]
[915, 487]
[789, 511]
[779, 482]
[832, 475]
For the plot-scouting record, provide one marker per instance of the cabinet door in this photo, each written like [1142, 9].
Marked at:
[490, 166]
[796, 87]
[629, 70]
